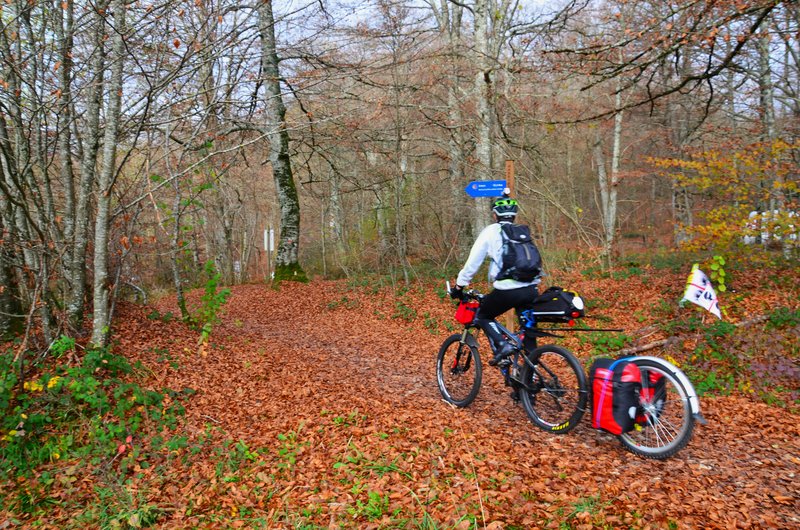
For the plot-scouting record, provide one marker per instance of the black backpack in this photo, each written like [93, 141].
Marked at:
[521, 258]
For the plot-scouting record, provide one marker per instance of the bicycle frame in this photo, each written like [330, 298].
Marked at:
[517, 342]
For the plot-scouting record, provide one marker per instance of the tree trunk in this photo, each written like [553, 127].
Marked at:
[176, 243]
[682, 197]
[765, 86]
[22, 150]
[287, 265]
[602, 177]
[175, 254]
[337, 224]
[483, 123]
[609, 186]
[9, 305]
[449, 20]
[91, 140]
[101, 311]
[65, 30]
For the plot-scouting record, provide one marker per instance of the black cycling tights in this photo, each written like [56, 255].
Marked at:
[498, 302]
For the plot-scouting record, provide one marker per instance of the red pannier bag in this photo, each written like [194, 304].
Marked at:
[466, 311]
[616, 388]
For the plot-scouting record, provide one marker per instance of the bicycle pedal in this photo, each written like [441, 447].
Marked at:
[504, 363]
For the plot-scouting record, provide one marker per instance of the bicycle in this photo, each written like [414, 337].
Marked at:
[553, 388]
[548, 379]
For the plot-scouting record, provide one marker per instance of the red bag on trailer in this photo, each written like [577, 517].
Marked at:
[616, 387]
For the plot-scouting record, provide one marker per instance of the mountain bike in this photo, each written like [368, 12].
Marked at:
[551, 384]
[548, 379]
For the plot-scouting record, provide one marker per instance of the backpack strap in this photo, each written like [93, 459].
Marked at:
[503, 239]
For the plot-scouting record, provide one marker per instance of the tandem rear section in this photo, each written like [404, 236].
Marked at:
[647, 402]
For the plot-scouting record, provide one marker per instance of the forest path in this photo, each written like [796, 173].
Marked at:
[351, 374]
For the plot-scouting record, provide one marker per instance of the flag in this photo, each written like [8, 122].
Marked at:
[699, 291]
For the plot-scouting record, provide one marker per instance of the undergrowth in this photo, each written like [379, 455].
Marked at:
[62, 421]
[764, 364]
[207, 316]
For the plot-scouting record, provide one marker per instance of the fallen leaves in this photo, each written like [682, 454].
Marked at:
[351, 391]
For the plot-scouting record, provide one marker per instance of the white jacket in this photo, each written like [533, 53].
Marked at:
[489, 243]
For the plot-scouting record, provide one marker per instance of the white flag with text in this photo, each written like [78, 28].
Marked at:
[699, 291]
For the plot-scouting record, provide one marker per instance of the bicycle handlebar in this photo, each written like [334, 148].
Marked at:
[474, 295]
[469, 294]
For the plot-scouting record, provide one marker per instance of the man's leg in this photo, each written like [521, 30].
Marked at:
[495, 304]
[529, 342]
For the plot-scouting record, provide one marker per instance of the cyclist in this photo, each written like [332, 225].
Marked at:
[507, 293]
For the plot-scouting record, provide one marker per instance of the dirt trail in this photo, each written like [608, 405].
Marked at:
[346, 374]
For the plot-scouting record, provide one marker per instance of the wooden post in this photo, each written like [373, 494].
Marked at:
[511, 320]
[270, 250]
[510, 175]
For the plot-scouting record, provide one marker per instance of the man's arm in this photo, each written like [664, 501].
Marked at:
[476, 256]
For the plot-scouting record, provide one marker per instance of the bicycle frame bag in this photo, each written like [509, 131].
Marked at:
[466, 311]
[616, 386]
[557, 305]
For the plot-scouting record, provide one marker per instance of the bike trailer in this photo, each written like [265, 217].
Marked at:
[616, 386]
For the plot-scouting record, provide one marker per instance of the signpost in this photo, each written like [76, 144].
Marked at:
[269, 248]
[510, 174]
[486, 188]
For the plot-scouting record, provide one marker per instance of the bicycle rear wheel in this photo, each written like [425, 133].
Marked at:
[458, 371]
[554, 393]
[665, 422]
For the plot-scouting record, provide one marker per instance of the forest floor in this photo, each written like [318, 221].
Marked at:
[316, 405]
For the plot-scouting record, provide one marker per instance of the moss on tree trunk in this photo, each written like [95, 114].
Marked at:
[291, 272]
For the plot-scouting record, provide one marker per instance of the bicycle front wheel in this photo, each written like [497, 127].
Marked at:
[554, 391]
[665, 421]
[458, 371]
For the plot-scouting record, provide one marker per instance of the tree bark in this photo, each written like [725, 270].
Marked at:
[609, 186]
[679, 116]
[482, 92]
[101, 311]
[91, 141]
[65, 33]
[287, 265]
[9, 304]
[449, 19]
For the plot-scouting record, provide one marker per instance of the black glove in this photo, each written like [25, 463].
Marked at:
[457, 292]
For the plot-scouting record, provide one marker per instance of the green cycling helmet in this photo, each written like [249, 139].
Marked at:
[505, 207]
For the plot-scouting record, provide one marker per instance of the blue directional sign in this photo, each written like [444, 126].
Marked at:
[486, 188]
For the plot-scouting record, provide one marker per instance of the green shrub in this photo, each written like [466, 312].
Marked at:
[85, 411]
[604, 342]
[783, 317]
[211, 302]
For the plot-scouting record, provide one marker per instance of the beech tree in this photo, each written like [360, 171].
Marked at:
[100, 308]
[287, 265]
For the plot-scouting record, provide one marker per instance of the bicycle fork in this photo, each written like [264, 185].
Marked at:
[464, 342]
